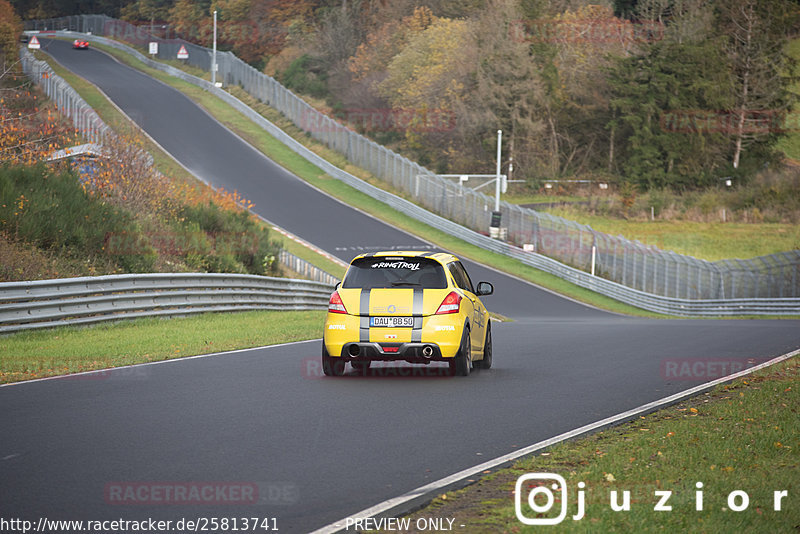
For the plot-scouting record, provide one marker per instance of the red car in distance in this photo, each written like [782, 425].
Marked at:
[80, 45]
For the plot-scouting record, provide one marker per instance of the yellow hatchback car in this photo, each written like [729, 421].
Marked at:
[419, 307]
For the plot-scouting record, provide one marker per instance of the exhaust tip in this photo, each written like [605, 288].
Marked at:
[354, 350]
[427, 351]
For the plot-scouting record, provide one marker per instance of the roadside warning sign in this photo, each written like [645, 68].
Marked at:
[34, 43]
[182, 53]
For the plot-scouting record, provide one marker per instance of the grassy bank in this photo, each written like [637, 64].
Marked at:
[740, 436]
[705, 240]
[65, 350]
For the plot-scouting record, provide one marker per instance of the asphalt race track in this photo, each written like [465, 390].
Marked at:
[318, 449]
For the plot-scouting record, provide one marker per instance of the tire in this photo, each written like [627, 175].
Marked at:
[461, 364]
[486, 362]
[361, 366]
[331, 366]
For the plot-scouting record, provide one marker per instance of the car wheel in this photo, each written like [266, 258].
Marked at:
[331, 366]
[461, 364]
[361, 366]
[486, 362]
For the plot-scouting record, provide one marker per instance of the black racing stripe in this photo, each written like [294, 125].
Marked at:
[363, 311]
[416, 311]
[416, 307]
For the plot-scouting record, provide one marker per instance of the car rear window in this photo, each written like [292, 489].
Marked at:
[383, 272]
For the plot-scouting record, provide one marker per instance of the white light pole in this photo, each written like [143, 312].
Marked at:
[214, 53]
[497, 183]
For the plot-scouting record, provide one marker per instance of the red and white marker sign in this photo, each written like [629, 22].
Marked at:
[182, 53]
[34, 43]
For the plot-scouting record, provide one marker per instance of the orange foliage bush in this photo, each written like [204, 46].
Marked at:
[28, 131]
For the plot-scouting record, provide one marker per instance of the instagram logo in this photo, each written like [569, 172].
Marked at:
[541, 498]
[536, 494]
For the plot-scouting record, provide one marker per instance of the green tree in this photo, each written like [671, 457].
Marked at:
[670, 80]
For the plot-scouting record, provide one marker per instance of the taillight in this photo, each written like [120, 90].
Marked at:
[335, 305]
[450, 304]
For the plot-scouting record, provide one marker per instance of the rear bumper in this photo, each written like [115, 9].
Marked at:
[442, 333]
[411, 352]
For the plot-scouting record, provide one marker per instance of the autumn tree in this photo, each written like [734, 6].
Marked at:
[10, 28]
[272, 22]
[381, 45]
[146, 10]
[507, 93]
[577, 47]
[334, 38]
[191, 20]
[426, 72]
[426, 81]
[338, 33]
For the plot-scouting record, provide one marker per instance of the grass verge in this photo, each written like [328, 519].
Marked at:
[281, 154]
[709, 241]
[742, 436]
[70, 349]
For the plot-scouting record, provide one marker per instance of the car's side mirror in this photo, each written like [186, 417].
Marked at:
[484, 288]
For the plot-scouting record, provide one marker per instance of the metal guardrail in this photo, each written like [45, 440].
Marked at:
[690, 307]
[306, 269]
[69, 102]
[72, 301]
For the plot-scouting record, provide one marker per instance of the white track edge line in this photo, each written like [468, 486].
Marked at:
[441, 483]
[170, 360]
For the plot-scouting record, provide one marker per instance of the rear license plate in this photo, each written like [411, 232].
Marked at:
[392, 322]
